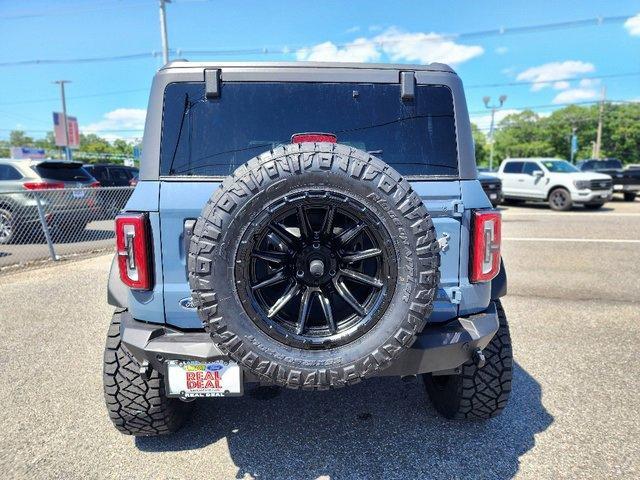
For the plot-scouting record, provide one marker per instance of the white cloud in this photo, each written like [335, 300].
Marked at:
[502, 50]
[118, 123]
[353, 29]
[550, 73]
[360, 50]
[575, 95]
[399, 46]
[633, 25]
[561, 85]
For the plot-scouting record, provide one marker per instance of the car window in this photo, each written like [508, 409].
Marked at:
[559, 166]
[62, 171]
[119, 175]
[204, 137]
[7, 172]
[513, 167]
[530, 167]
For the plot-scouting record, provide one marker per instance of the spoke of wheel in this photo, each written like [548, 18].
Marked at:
[303, 222]
[345, 237]
[272, 280]
[273, 257]
[276, 242]
[327, 223]
[284, 234]
[305, 303]
[328, 313]
[344, 292]
[352, 257]
[361, 277]
[291, 292]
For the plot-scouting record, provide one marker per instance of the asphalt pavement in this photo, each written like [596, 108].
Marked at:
[574, 312]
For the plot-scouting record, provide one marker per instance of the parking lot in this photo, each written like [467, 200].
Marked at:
[574, 311]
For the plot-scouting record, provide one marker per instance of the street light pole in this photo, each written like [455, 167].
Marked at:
[67, 150]
[163, 31]
[493, 108]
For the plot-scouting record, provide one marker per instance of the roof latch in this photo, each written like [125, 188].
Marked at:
[212, 83]
[408, 85]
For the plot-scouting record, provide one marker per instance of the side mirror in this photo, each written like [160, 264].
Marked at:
[538, 173]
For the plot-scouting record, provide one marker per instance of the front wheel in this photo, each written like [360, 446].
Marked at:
[477, 393]
[137, 406]
[629, 196]
[7, 227]
[560, 200]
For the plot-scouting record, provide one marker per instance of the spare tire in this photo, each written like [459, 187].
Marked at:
[314, 265]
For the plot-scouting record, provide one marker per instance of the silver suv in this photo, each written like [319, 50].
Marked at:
[23, 182]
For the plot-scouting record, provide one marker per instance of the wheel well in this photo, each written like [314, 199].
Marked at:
[556, 188]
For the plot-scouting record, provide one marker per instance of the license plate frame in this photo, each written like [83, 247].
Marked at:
[195, 379]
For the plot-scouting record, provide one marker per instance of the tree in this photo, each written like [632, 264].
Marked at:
[521, 135]
[480, 144]
[17, 138]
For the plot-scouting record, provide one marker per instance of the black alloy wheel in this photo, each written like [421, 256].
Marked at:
[317, 270]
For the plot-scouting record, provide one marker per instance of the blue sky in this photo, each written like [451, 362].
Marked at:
[399, 32]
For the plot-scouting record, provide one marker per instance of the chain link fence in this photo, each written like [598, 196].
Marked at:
[49, 225]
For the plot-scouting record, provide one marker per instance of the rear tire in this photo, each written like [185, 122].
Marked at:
[560, 200]
[7, 227]
[137, 406]
[629, 197]
[477, 393]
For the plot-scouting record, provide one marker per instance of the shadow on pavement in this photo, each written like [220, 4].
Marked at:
[381, 428]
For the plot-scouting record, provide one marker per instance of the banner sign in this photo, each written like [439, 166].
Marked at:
[72, 127]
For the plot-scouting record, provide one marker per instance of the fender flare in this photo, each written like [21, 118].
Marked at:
[499, 284]
[117, 292]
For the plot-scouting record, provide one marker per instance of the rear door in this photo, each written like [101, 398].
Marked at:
[512, 179]
[205, 140]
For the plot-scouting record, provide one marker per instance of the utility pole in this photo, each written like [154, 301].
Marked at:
[599, 132]
[493, 108]
[67, 150]
[163, 31]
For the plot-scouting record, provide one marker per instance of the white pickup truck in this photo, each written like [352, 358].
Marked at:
[554, 181]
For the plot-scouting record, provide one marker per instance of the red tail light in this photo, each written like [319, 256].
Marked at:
[42, 185]
[95, 184]
[313, 137]
[133, 244]
[485, 247]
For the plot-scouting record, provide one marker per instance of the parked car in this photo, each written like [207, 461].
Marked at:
[112, 200]
[625, 180]
[492, 187]
[554, 181]
[68, 211]
[258, 249]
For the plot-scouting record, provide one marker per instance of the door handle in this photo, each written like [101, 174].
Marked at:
[521, 179]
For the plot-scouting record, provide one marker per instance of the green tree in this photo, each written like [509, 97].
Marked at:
[17, 138]
[521, 135]
[481, 146]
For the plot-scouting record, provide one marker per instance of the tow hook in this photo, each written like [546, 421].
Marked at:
[145, 370]
[478, 358]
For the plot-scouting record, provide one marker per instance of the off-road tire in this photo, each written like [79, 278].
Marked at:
[137, 406]
[245, 198]
[477, 393]
[567, 203]
[629, 197]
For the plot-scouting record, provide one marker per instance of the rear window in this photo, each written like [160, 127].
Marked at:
[63, 172]
[214, 137]
[513, 167]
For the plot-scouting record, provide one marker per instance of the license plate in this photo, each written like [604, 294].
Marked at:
[77, 193]
[604, 195]
[203, 379]
[493, 196]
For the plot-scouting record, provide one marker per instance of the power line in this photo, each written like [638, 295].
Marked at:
[594, 21]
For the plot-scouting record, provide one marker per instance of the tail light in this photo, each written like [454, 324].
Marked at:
[313, 137]
[95, 184]
[133, 182]
[485, 247]
[133, 244]
[42, 185]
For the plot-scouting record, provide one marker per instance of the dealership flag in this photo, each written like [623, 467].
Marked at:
[72, 127]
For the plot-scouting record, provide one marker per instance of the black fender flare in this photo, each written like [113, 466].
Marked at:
[117, 292]
[499, 284]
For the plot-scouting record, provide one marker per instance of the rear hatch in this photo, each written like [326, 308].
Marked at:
[72, 176]
[204, 140]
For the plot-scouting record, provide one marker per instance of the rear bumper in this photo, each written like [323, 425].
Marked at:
[438, 348]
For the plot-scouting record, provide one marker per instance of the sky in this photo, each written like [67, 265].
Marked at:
[110, 97]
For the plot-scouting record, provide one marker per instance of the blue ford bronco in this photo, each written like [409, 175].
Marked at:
[305, 225]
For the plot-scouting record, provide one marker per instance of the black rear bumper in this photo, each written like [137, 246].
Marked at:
[439, 347]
